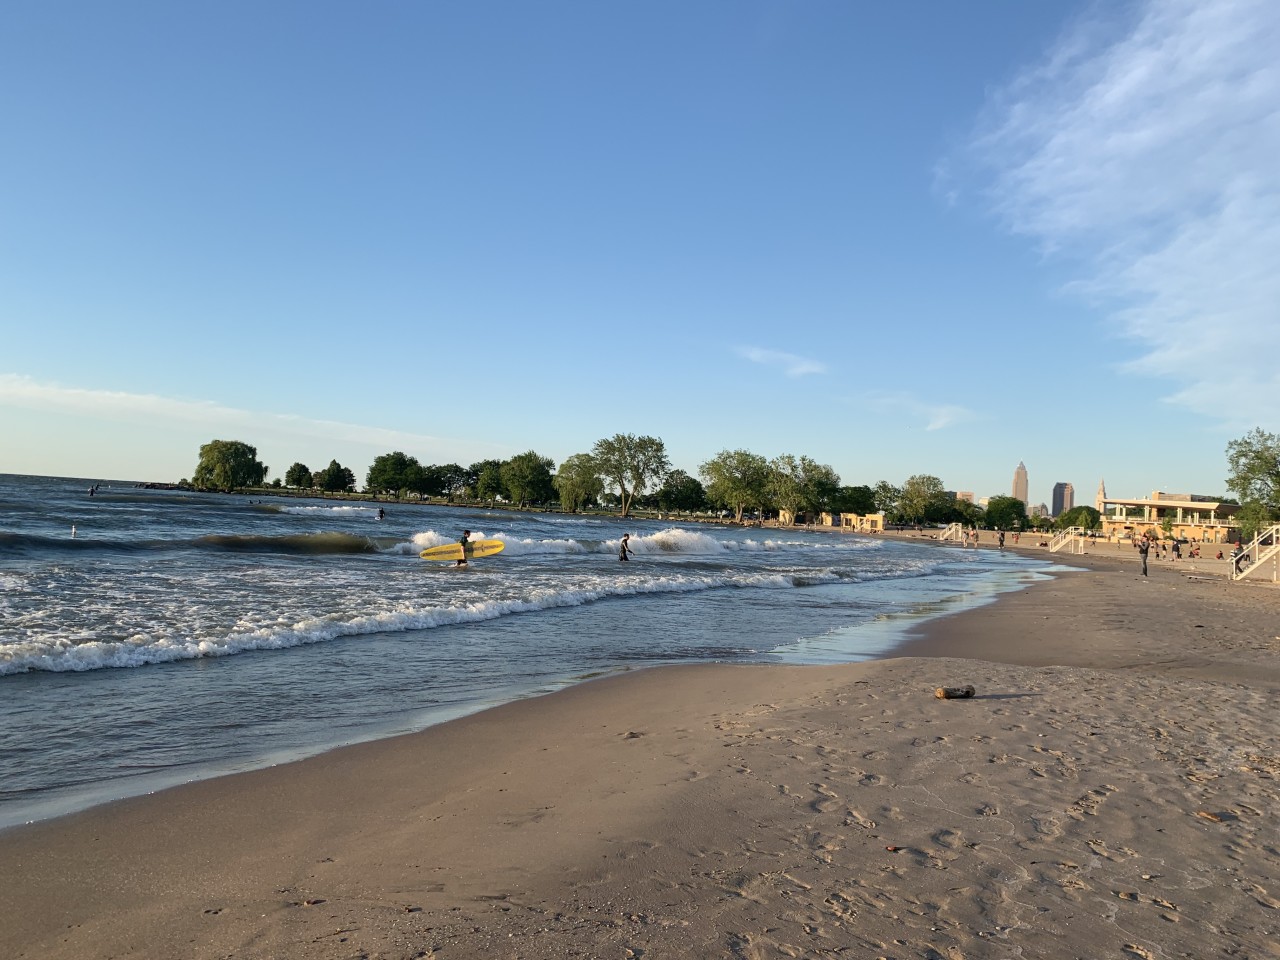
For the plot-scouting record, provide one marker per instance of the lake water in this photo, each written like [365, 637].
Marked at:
[178, 635]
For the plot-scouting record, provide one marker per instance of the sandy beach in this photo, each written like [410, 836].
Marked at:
[1109, 792]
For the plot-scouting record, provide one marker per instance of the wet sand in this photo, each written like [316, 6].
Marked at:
[1110, 791]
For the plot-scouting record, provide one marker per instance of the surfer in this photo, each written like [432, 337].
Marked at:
[466, 534]
[625, 549]
[381, 513]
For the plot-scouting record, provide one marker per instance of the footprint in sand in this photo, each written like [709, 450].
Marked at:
[826, 798]
[1133, 950]
[852, 817]
[1265, 899]
[1088, 804]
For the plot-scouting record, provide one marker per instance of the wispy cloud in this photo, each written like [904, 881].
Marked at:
[1146, 147]
[791, 365]
[22, 391]
[934, 416]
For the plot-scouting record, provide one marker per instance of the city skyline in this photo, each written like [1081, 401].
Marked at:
[468, 232]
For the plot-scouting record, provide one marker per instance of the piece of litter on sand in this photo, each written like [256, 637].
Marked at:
[955, 693]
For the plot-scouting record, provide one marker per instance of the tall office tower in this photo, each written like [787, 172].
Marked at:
[1101, 498]
[1064, 498]
[1020, 482]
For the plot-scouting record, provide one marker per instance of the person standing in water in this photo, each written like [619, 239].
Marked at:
[466, 534]
[624, 549]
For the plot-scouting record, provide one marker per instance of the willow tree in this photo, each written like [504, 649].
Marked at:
[632, 463]
[578, 482]
[227, 465]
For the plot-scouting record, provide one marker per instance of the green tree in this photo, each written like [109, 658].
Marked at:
[527, 478]
[679, 491]
[1006, 513]
[433, 481]
[632, 463]
[799, 484]
[488, 485]
[298, 476]
[783, 490]
[227, 465]
[392, 471]
[456, 479]
[860, 500]
[968, 513]
[736, 479]
[335, 478]
[922, 496]
[887, 496]
[578, 482]
[1252, 517]
[1254, 462]
[819, 485]
[1085, 517]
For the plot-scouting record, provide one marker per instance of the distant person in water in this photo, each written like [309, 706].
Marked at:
[466, 535]
[381, 513]
[624, 549]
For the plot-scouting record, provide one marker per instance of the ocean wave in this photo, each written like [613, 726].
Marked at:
[674, 541]
[66, 654]
[299, 543]
[344, 510]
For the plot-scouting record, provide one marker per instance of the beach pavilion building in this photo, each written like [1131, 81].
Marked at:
[1188, 516]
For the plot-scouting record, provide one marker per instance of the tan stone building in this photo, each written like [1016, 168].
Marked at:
[1189, 516]
[854, 522]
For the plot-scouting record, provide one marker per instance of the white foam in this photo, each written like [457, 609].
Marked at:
[342, 510]
[164, 645]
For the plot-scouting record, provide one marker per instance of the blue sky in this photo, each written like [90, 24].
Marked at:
[901, 238]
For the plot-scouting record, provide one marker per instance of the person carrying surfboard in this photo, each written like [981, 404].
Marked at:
[466, 534]
[625, 549]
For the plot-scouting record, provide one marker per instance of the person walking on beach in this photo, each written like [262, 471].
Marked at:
[1000, 539]
[1144, 546]
[624, 548]
[1239, 557]
[466, 535]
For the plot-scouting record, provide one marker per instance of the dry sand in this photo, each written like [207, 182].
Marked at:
[1110, 792]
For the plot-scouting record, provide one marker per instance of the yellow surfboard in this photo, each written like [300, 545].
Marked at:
[453, 551]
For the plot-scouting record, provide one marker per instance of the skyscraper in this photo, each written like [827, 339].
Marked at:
[1020, 482]
[1064, 498]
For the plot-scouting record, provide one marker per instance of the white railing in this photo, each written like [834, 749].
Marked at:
[1072, 537]
[1263, 550]
[954, 531]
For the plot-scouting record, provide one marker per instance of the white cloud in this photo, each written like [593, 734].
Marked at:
[935, 416]
[1147, 149]
[22, 391]
[791, 364]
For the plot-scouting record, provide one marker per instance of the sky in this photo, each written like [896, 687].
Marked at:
[909, 238]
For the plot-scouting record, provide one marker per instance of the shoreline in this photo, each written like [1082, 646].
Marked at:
[1107, 790]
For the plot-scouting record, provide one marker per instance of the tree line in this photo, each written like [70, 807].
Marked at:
[625, 471]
